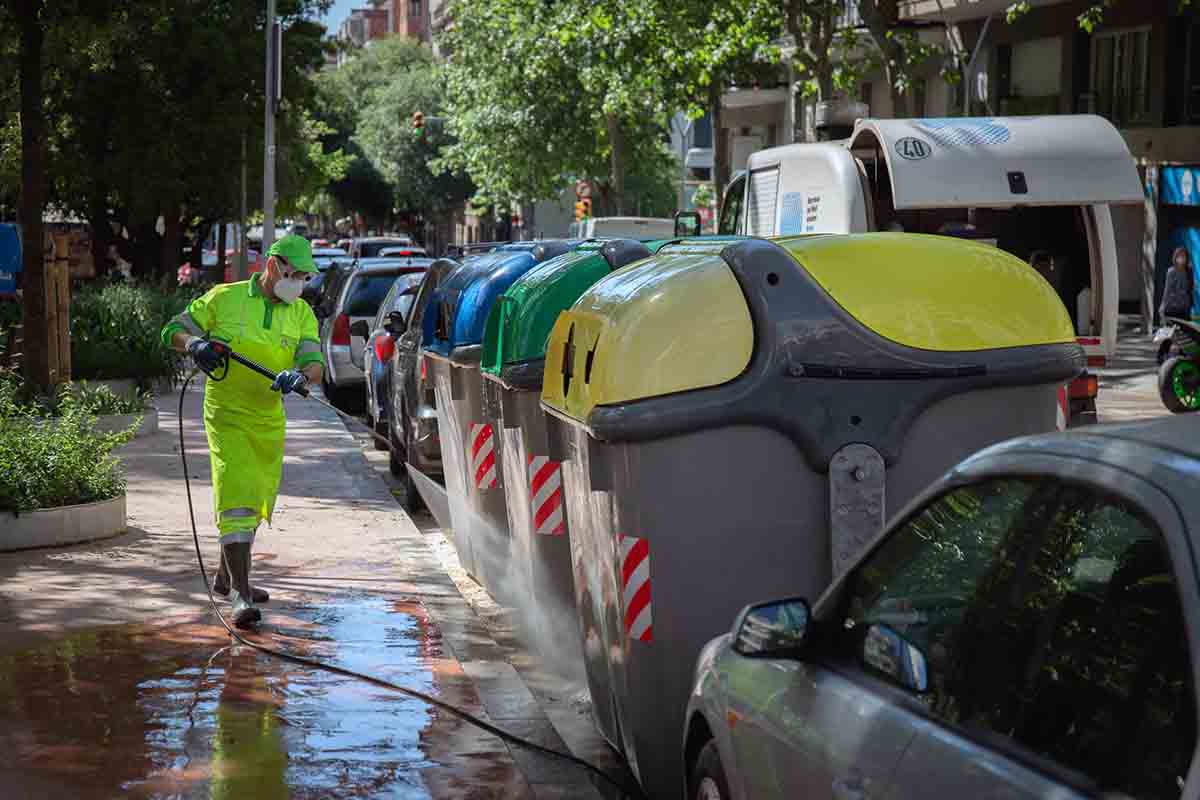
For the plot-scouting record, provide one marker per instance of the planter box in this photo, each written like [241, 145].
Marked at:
[111, 423]
[125, 387]
[56, 527]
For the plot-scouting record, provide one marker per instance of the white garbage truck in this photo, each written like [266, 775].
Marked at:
[1037, 187]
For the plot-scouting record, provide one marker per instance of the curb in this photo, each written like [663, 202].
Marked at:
[58, 527]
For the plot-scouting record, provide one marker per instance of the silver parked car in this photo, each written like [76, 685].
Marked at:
[359, 292]
[1030, 627]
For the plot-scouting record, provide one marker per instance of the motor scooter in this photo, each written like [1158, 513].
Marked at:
[1179, 366]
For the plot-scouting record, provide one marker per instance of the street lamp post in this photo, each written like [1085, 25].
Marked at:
[270, 101]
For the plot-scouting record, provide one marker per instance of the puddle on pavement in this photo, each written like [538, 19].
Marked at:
[175, 711]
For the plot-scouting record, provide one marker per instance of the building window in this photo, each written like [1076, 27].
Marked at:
[1120, 87]
[414, 8]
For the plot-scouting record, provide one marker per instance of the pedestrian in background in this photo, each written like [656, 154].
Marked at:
[1177, 293]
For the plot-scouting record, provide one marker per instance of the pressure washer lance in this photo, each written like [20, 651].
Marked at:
[218, 375]
[229, 354]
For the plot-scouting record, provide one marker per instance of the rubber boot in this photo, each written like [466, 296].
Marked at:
[221, 584]
[237, 560]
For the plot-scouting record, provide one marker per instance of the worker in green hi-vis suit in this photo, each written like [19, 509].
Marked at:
[243, 414]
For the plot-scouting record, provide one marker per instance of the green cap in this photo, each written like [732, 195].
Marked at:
[296, 251]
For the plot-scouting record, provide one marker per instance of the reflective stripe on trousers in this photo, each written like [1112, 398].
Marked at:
[237, 525]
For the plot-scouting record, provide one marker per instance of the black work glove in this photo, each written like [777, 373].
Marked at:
[207, 355]
[290, 380]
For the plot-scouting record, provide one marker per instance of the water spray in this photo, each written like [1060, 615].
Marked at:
[218, 374]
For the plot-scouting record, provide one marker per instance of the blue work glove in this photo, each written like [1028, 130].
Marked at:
[290, 380]
[207, 355]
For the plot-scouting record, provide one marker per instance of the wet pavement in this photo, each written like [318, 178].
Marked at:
[176, 711]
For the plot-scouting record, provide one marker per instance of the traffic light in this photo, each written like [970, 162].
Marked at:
[583, 208]
[418, 123]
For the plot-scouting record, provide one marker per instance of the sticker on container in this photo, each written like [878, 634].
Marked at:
[958, 132]
[1063, 409]
[545, 487]
[791, 214]
[483, 456]
[635, 587]
[912, 148]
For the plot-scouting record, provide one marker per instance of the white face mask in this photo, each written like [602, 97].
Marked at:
[288, 289]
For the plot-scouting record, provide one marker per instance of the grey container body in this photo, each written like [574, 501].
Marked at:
[475, 491]
[725, 517]
[538, 526]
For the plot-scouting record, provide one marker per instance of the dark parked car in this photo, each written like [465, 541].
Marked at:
[381, 344]
[1030, 627]
[355, 296]
[412, 423]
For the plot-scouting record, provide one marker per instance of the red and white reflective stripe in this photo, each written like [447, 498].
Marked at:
[483, 456]
[1064, 409]
[545, 487]
[635, 587]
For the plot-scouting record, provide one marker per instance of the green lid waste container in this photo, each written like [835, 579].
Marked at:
[736, 420]
[514, 350]
[452, 343]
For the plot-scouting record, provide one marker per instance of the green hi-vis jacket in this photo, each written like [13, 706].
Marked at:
[243, 418]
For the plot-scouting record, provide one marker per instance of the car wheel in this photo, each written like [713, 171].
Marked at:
[381, 434]
[1179, 384]
[396, 463]
[708, 776]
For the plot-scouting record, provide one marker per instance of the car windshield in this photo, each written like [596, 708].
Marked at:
[372, 249]
[1043, 612]
[367, 293]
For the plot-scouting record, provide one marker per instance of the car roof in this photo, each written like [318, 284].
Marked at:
[397, 266]
[1177, 435]
[328, 251]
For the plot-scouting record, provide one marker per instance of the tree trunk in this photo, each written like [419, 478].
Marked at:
[720, 145]
[36, 353]
[616, 178]
[222, 233]
[172, 245]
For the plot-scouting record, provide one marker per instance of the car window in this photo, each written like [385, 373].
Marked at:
[1046, 613]
[367, 293]
[421, 301]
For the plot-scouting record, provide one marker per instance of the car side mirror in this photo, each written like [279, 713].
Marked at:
[773, 630]
[687, 223]
[886, 651]
[395, 323]
[360, 329]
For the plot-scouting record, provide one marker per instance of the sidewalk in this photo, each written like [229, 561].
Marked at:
[1129, 383]
[115, 679]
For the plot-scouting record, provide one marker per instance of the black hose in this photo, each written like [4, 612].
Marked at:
[371, 679]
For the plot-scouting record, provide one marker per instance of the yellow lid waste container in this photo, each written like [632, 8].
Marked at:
[736, 420]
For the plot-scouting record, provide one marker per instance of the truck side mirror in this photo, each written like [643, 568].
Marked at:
[687, 223]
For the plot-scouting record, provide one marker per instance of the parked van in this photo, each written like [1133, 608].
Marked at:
[622, 228]
[1037, 187]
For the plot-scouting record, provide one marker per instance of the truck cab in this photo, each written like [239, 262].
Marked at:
[1037, 187]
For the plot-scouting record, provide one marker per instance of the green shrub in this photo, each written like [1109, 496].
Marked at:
[48, 464]
[115, 331]
[101, 400]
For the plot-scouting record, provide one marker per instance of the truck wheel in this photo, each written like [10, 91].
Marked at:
[708, 776]
[1179, 385]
